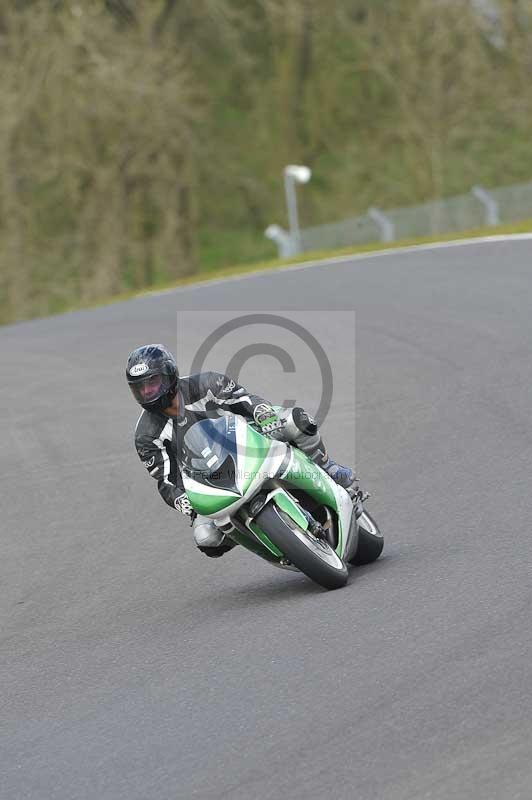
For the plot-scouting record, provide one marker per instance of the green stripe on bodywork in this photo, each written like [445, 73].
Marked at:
[262, 537]
[255, 545]
[291, 508]
[304, 474]
[207, 504]
[257, 448]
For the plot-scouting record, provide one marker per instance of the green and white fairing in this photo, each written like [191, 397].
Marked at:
[229, 463]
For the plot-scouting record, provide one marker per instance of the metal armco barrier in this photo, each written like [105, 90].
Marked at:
[477, 208]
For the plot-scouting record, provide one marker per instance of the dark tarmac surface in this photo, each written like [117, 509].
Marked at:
[134, 668]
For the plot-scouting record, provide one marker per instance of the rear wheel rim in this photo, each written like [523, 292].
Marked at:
[366, 523]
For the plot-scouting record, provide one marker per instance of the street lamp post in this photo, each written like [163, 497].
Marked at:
[294, 173]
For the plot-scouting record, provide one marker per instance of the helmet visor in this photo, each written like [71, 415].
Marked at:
[150, 389]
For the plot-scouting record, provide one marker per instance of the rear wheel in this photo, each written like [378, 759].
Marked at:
[370, 540]
[314, 557]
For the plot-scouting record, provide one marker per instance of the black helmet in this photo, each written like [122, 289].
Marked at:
[152, 376]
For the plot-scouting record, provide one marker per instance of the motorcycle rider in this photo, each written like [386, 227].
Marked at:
[172, 403]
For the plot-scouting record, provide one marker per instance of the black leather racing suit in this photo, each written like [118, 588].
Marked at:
[159, 439]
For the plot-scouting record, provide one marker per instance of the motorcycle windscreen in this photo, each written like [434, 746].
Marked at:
[212, 452]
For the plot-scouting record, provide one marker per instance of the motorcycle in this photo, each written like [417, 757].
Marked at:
[267, 496]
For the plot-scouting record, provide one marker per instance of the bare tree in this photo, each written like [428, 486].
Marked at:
[96, 159]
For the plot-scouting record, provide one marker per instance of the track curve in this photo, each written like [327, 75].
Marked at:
[134, 668]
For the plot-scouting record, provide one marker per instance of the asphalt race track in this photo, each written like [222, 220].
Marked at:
[133, 667]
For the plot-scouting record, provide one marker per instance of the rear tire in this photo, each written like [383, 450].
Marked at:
[370, 540]
[314, 557]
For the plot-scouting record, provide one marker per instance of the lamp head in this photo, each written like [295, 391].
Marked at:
[298, 172]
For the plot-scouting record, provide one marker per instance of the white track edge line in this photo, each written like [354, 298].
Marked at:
[320, 262]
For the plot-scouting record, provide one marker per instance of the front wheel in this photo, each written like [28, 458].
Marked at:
[370, 540]
[314, 557]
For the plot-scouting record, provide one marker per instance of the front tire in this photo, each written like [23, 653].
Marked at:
[370, 540]
[314, 557]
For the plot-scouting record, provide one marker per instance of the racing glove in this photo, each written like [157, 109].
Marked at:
[267, 418]
[182, 503]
